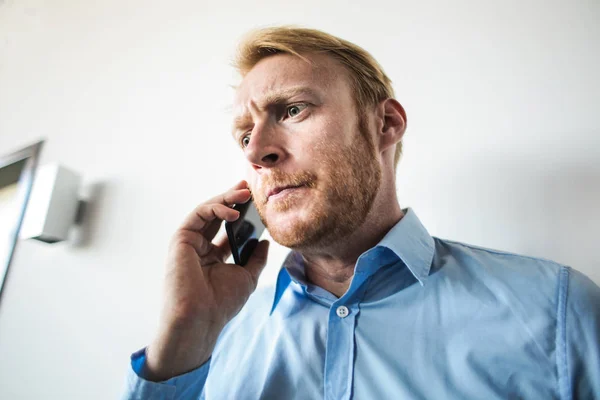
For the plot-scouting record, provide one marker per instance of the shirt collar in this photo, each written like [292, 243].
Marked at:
[408, 239]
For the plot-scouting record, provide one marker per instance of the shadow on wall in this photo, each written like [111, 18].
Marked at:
[524, 206]
[88, 216]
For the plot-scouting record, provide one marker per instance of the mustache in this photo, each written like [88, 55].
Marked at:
[279, 178]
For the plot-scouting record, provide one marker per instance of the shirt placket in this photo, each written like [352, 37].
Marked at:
[339, 352]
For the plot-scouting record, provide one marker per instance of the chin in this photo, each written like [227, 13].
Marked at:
[289, 222]
[297, 228]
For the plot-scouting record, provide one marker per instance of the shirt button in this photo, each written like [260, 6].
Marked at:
[342, 311]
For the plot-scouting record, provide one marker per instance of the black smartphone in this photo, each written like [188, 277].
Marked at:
[244, 232]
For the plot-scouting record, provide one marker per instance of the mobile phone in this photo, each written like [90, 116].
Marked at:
[244, 232]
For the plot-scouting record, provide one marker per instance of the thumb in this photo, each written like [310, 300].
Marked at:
[258, 260]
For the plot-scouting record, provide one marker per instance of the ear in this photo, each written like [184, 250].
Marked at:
[391, 123]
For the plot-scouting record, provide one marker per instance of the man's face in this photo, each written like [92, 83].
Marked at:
[313, 170]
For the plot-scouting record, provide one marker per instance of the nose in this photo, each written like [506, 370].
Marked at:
[265, 148]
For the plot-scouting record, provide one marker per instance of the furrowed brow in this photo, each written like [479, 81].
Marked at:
[283, 96]
[269, 100]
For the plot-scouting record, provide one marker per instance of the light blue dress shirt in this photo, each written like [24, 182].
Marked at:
[424, 318]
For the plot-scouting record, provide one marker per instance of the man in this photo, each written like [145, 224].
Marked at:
[367, 305]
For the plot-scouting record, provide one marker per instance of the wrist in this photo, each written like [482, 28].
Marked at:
[178, 350]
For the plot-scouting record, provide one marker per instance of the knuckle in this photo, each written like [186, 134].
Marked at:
[205, 208]
[184, 236]
[214, 208]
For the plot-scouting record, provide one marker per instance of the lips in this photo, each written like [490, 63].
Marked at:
[279, 189]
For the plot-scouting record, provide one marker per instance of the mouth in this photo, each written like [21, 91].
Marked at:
[281, 191]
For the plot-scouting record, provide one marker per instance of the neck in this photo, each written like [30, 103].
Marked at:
[332, 267]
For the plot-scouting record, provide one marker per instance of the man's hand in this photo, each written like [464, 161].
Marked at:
[202, 292]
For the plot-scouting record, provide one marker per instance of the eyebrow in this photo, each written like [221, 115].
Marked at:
[269, 100]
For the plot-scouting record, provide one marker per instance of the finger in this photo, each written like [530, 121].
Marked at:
[195, 240]
[231, 198]
[204, 215]
[240, 185]
[201, 216]
[210, 227]
[213, 228]
[222, 248]
[225, 198]
[258, 260]
[196, 219]
[236, 197]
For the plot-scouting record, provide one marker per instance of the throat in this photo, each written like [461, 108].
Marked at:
[334, 279]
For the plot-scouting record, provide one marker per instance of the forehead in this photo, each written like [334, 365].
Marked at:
[279, 72]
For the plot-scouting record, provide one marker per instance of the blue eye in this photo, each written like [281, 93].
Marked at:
[246, 141]
[296, 109]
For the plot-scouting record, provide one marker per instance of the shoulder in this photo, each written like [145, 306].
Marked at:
[582, 296]
[528, 286]
[554, 304]
[498, 263]
[532, 279]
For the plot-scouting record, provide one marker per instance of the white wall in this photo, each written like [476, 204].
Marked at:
[502, 149]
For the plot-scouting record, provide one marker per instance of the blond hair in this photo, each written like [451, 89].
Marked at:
[369, 83]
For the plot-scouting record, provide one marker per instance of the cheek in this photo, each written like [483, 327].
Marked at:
[252, 179]
[319, 140]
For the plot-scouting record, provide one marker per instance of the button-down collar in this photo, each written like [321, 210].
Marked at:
[408, 240]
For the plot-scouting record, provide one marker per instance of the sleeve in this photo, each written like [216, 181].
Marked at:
[188, 386]
[579, 337]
